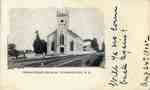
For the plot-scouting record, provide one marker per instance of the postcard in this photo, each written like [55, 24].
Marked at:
[75, 45]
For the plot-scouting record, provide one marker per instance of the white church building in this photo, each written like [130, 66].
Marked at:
[63, 40]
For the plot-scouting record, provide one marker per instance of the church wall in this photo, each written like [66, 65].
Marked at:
[49, 42]
[77, 44]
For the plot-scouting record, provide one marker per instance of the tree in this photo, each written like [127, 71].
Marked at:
[11, 46]
[12, 50]
[103, 46]
[39, 46]
[44, 46]
[94, 45]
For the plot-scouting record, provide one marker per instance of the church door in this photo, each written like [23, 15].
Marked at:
[61, 49]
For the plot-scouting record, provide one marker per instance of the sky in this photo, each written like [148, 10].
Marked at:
[86, 22]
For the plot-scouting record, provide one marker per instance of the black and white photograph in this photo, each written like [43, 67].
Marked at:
[56, 37]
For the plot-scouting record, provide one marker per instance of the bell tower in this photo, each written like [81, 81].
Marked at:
[62, 17]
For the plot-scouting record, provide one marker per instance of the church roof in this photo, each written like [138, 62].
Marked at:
[69, 31]
[73, 34]
[51, 33]
[87, 40]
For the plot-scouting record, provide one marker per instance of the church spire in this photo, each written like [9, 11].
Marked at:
[62, 12]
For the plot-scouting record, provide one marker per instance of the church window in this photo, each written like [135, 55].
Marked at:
[53, 46]
[61, 21]
[71, 45]
[61, 39]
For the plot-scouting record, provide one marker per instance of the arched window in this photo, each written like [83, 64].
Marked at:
[53, 46]
[71, 46]
[61, 39]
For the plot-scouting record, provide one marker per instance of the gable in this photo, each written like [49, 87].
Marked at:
[51, 34]
[73, 34]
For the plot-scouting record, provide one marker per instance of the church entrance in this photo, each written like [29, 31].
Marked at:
[61, 49]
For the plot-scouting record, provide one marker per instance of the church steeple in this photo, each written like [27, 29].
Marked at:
[62, 16]
[62, 12]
